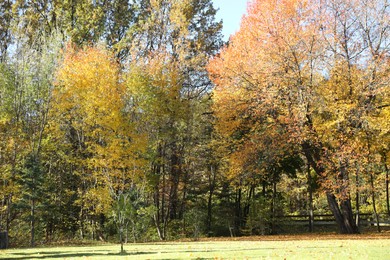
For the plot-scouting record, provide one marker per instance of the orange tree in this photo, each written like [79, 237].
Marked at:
[299, 67]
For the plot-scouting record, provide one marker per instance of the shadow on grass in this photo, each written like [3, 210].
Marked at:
[43, 255]
[51, 253]
[96, 253]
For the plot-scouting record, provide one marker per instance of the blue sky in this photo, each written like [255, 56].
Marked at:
[230, 11]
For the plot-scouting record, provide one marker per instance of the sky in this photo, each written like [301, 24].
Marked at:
[230, 11]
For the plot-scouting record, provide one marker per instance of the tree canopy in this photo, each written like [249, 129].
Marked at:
[133, 120]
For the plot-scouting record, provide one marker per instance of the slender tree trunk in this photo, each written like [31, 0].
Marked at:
[371, 173]
[310, 188]
[184, 196]
[160, 205]
[157, 215]
[32, 223]
[264, 189]
[158, 228]
[160, 217]
[212, 177]
[3, 201]
[49, 230]
[121, 238]
[387, 192]
[163, 207]
[8, 216]
[273, 208]
[165, 225]
[386, 183]
[174, 183]
[82, 231]
[237, 222]
[374, 202]
[247, 205]
[357, 199]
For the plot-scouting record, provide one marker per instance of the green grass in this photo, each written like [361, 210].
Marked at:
[254, 249]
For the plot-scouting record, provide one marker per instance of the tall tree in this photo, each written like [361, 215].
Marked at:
[91, 118]
[26, 95]
[274, 69]
[169, 48]
[11, 143]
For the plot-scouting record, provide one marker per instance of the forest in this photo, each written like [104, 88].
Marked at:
[132, 120]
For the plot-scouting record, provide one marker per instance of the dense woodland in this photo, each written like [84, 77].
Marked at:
[133, 120]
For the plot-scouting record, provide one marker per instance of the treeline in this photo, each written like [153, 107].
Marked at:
[110, 124]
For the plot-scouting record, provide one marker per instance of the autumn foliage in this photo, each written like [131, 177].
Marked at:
[304, 73]
[91, 122]
[133, 120]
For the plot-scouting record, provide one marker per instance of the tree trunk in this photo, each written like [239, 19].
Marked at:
[162, 213]
[3, 240]
[374, 202]
[3, 203]
[32, 223]
[157, 172]
[237, 220]
[273, 208]
[93, 227]
[371, 173]
[310, 188]
[344, 223]
[212, 177]
[387, 183]
[387, 192]
[357, 200]
[82, 231]
[343, 212]
[248, 204]
[49, 230]
[157, 224]
[160, 216]
[174, 182]
[182, 207]
[8, 214]
[121, 238]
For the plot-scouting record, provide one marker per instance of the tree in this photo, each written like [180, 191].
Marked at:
[24, 111]
[167, 79]
[273, 69]
[11, 144]
[90, 117]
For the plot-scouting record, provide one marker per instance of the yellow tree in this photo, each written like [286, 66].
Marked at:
[89, 116]
[353, 107]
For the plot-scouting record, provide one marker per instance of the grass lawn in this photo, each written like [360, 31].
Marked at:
[274, 247]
